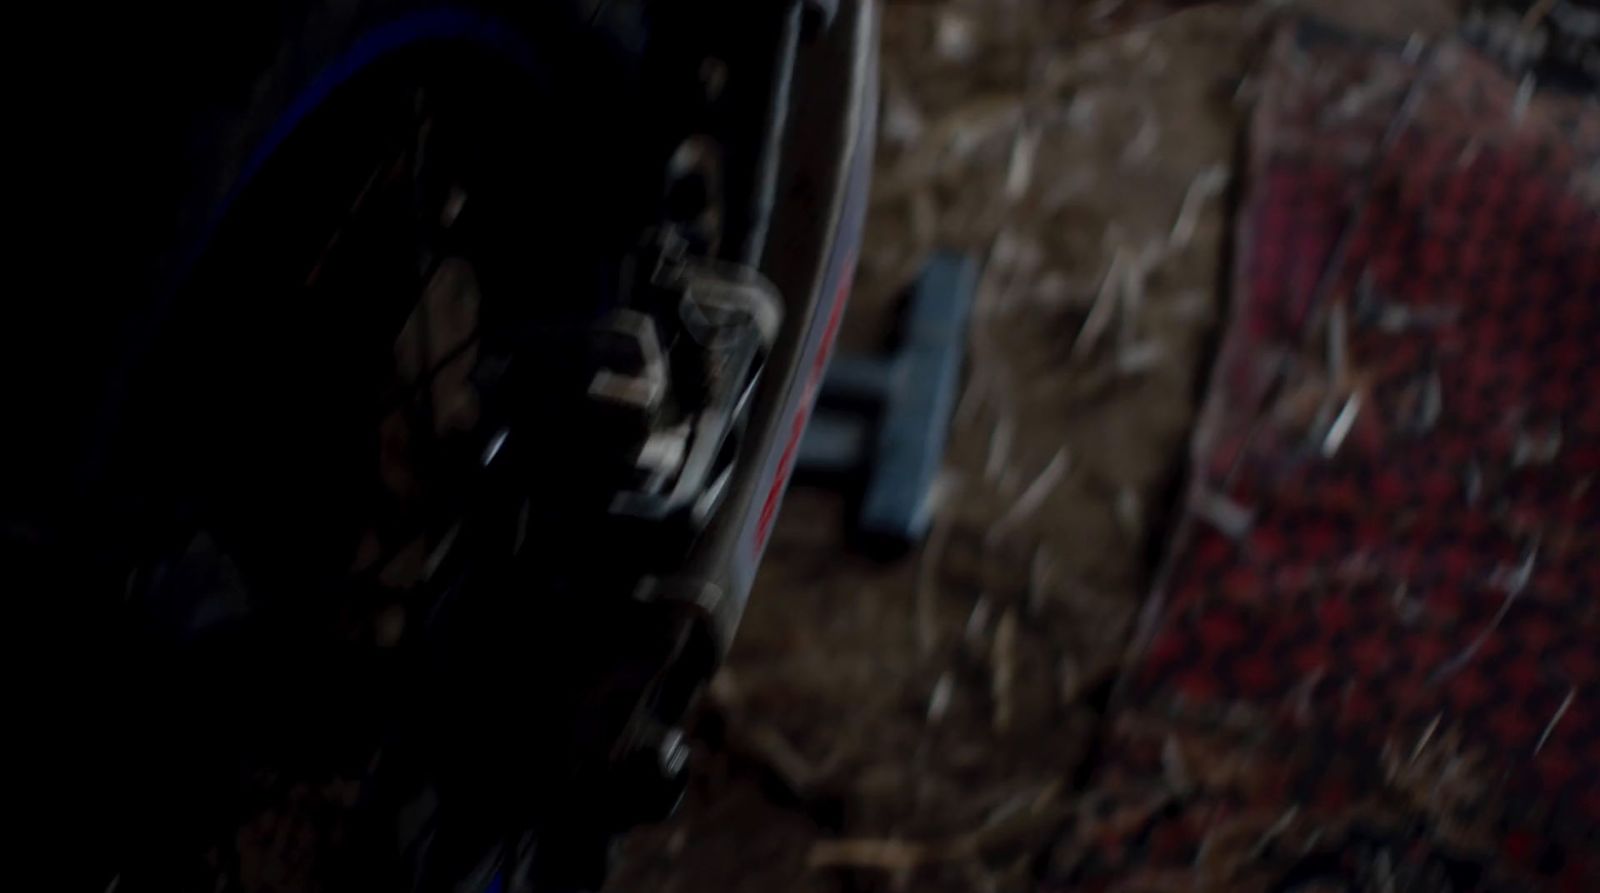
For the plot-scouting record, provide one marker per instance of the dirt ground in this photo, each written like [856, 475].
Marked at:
[924, 722]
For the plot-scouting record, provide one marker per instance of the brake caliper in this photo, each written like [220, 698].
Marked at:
[678, 367]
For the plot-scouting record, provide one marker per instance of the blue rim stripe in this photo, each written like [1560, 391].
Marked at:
[413, 29]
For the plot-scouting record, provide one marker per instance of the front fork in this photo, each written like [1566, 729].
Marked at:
[706, 374]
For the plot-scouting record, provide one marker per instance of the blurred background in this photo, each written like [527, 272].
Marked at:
[1262, 556]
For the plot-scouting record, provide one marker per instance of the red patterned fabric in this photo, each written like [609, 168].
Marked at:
[1374, 660]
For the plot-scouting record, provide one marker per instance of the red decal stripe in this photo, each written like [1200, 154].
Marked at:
[802, 414]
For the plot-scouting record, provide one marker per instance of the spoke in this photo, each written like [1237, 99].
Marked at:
[371, 187]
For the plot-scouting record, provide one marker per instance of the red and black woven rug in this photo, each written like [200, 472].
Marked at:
[1373, 659]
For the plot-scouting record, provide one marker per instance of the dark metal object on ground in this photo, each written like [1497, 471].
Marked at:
[886, 417]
